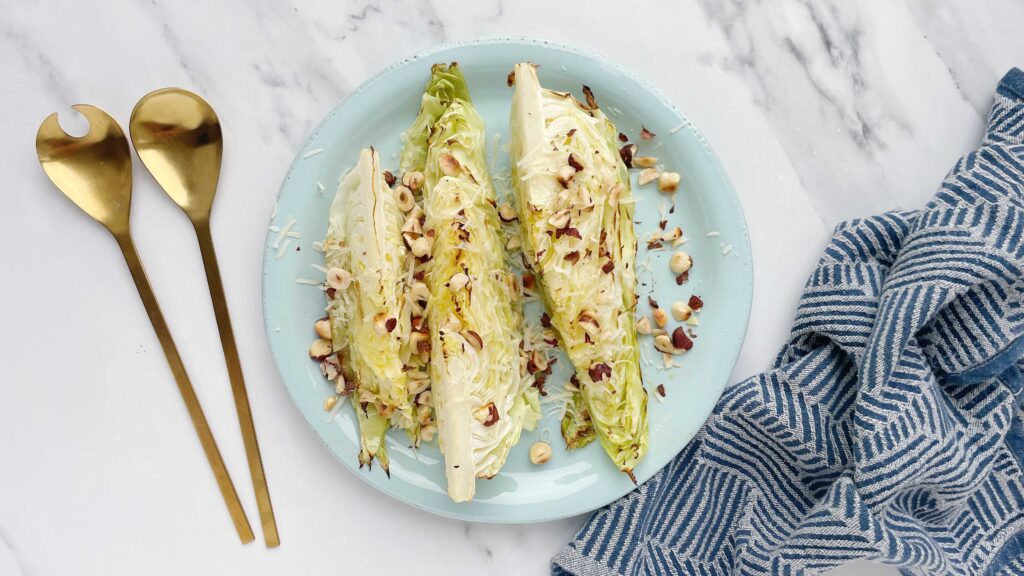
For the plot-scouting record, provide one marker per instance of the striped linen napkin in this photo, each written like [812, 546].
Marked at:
[888, 427]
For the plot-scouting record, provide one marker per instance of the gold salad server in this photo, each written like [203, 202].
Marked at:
[177, 135]
[95, 172]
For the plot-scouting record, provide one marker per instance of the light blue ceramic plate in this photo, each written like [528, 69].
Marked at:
[706, 208]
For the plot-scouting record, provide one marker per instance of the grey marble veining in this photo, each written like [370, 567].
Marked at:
[820, 111]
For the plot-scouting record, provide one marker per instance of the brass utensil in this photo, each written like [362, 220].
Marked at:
[95, 172]
[177, 135]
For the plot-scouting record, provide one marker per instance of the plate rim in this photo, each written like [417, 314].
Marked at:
[732, 354]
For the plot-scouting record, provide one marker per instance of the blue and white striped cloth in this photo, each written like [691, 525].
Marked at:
[888, 427]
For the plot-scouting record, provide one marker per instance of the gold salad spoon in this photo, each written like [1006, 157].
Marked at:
[177, 135]
[95, 172]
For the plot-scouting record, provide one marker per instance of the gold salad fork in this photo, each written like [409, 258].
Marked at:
[95, 172]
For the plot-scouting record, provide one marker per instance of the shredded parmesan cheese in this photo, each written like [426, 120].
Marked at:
[713, 233]
[283, 232]
[677, 128]
[312, 152]
[284, 248]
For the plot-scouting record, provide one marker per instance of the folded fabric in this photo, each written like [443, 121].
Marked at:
[888, 427]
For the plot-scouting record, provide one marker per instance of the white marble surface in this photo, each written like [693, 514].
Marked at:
[820, 111]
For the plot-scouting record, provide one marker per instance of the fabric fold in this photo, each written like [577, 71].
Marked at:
[888, 427]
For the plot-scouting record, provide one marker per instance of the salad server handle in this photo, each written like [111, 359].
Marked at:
[238, 390]
[188, 394]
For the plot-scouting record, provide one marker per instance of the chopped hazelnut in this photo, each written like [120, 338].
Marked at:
[330, 402]
[513, 244]
[380, 323]
[330, 367]
[668, 181]
[680, 262]
[320, 349]
[680, 340]
[644, 161]
[660, 317]
[418, 295]
[539, 360]
[692, 320]
[427, 432]
[339, 278]
[419, 341]
[403, 195]
[414, 180]
[680, 311]
[323, 328]
[486, 414]
[588, 95]
[589, 323]
[626, 153]
[643, 325]
[458, 281]
[506, 212]
[412, 228]
[420, 247]
[342, 387]
[559, 219]
[565, 175]
[424, 413]
[410, 238]
[673, 234]
[664, 344]
[599, 371]
[540, 452]
[647, 175]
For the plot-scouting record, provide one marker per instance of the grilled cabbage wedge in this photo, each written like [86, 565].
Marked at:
[368, 281]
[483, 395]
[576, 213]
